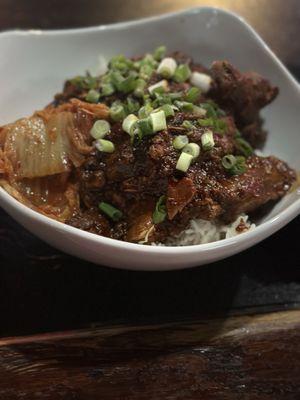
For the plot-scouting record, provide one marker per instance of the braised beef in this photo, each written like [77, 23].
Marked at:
[139, 172]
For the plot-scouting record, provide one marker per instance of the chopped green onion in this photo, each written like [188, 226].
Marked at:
[228, 161]
[145, 111]
[100, 129]
[187, 124]
[145, 126]
[184, 105]
[106, 78]
[159, 52]
[198, 111]
[161, 85]
[184, 162]
[210, 109]
[117, 112]
[137, 65]
[146, 71]
[132, 105]
[107, 89]
[92, 96]
[207, 140]
[238, 134]
[182, 73]
[116, 79]
[160, 211]
[193, 149]
[149, 60]
[121, 63]
[140, 86]
[220, 125]
[167, 67]
[213, 110]
[240, 166]
[175, 96]
[84, 82]
[158, 120]
[168, 110]
[202, 81]
[192, 94]
[180, 142]
[234, 165]
[129, 123]
[128, 84]
[105, 146]
[112, 212]
[161, 98]
[244, 147]
[206, 122]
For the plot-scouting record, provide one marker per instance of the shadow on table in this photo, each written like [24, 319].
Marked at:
[42, 289]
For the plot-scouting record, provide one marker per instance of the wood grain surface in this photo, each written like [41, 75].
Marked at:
[241, 357]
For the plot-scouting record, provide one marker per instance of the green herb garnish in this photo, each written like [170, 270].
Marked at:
[112, 212]
[160, 211]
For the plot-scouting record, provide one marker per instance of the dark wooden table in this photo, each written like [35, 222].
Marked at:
[229, 330]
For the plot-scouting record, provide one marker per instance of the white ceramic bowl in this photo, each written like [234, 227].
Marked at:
[34, 65]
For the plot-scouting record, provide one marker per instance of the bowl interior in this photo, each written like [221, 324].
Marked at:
[34, 65]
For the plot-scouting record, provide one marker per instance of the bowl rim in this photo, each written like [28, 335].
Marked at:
[260, 232]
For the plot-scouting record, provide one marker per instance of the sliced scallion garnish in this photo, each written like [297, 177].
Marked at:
[129, 123]
[244, 147]
[182, 73]
[235, 165]
[187, 124]
[193, 149]
[120, 62]
[207, 140]
[240, 166]
[167, 67]
[145, 111]
[107, 89]
[206, 122]
[159, 86]
[202, 81]
[128, 84]
[184, 106]
[228, 161]
[146, 71]
[112, 212]
[117, 112]
[85, 82]
[149, 60]
[116, 79]
[175, 96]
[100, 129]
[184, 162]
[140, 87]
[198, 111]
[145, 126]
[160, 212]
[105, 146]
[192, 94]
[158, 121]
[220, 125]
[159, 53]
[168, 110]
[92, 96]
[132, 105]
[180, 142]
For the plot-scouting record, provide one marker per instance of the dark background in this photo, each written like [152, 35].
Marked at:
[42, 289]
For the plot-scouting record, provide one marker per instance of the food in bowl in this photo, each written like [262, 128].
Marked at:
[156, 150]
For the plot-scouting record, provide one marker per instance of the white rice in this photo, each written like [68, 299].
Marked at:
[200, 231]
